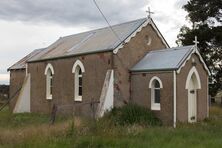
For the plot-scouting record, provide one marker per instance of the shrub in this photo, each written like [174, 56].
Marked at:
[133, 114]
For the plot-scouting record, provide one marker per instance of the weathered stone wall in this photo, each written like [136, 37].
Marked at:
[182, 92]
[96, 66]
[128, 56]
[141, 93]
[16, 81]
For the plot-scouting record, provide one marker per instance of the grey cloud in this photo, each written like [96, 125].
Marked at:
[69, 12]
[3, 71]
[180, 3]
[163, 18]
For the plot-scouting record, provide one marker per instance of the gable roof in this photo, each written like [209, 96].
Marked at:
[167, 59]
[21, 64]
[99, 40]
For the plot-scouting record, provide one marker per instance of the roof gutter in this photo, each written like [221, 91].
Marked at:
[154, 70]
[69, 56]
[10, 69]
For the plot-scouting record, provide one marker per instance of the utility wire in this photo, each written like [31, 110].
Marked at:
[121, 41]
[107, 21]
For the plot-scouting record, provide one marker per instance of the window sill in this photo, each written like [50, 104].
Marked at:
[78, 99]
[49, 98]
[155, 107]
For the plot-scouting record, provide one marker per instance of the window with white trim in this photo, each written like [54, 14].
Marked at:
[155, 86]
[78, 70]
[49, 72]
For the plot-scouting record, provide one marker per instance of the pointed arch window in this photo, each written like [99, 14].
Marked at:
[49, 72]
[78, 70]
[155, 86]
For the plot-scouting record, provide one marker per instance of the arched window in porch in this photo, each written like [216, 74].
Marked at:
[155, 85]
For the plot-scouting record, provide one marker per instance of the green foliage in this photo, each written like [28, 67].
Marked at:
[201, 10]
[133, 114]
[206, 21]
[10, 120]
[4, 92]
[4, 89]
[71, 130]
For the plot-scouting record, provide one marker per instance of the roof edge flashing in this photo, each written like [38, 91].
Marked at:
[128, 38]
[153, 70]
[69, 56]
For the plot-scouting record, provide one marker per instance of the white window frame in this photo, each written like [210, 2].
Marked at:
[76, 67]
[192, 71]
[49, 72]
[155, 106]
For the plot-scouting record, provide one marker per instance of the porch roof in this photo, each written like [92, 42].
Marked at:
[164, 59]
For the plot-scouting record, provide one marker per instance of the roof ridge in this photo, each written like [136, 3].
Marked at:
[169, 49]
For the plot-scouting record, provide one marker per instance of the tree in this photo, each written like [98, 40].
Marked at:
[205, 17]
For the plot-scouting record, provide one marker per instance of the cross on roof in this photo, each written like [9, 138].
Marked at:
[149, 13]
[196, 41]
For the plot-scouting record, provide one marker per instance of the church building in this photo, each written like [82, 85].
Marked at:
[131, 64]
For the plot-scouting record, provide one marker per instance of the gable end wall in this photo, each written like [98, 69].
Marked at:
[182, 92]
[127, 57]
[17, 78]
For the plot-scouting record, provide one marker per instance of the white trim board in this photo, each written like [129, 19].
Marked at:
[194, 50]
[49, 66]
[154, 106]
[155, 78]
[148, 21]
[192, 71]
[80, 64]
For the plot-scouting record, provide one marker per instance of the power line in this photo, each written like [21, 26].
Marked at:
[107, 21]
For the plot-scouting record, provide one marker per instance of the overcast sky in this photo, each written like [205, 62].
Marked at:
[31, 24]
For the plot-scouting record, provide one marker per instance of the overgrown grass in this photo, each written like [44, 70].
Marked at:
[34, 131]
[132, 114]
[10, 120]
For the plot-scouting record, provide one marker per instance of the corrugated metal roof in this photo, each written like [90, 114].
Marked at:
[22, 63]
[90, 42]
[164, 59]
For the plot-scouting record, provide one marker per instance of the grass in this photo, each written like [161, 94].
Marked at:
[132, 114]
[33, 130]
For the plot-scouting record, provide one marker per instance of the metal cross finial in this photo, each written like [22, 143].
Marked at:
[149, 13]
[196, 41]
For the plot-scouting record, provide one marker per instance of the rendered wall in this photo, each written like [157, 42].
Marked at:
[141, 93]
[23, 102]
[96, 66]
[127, 57]
[182, 93]
[16, 81]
